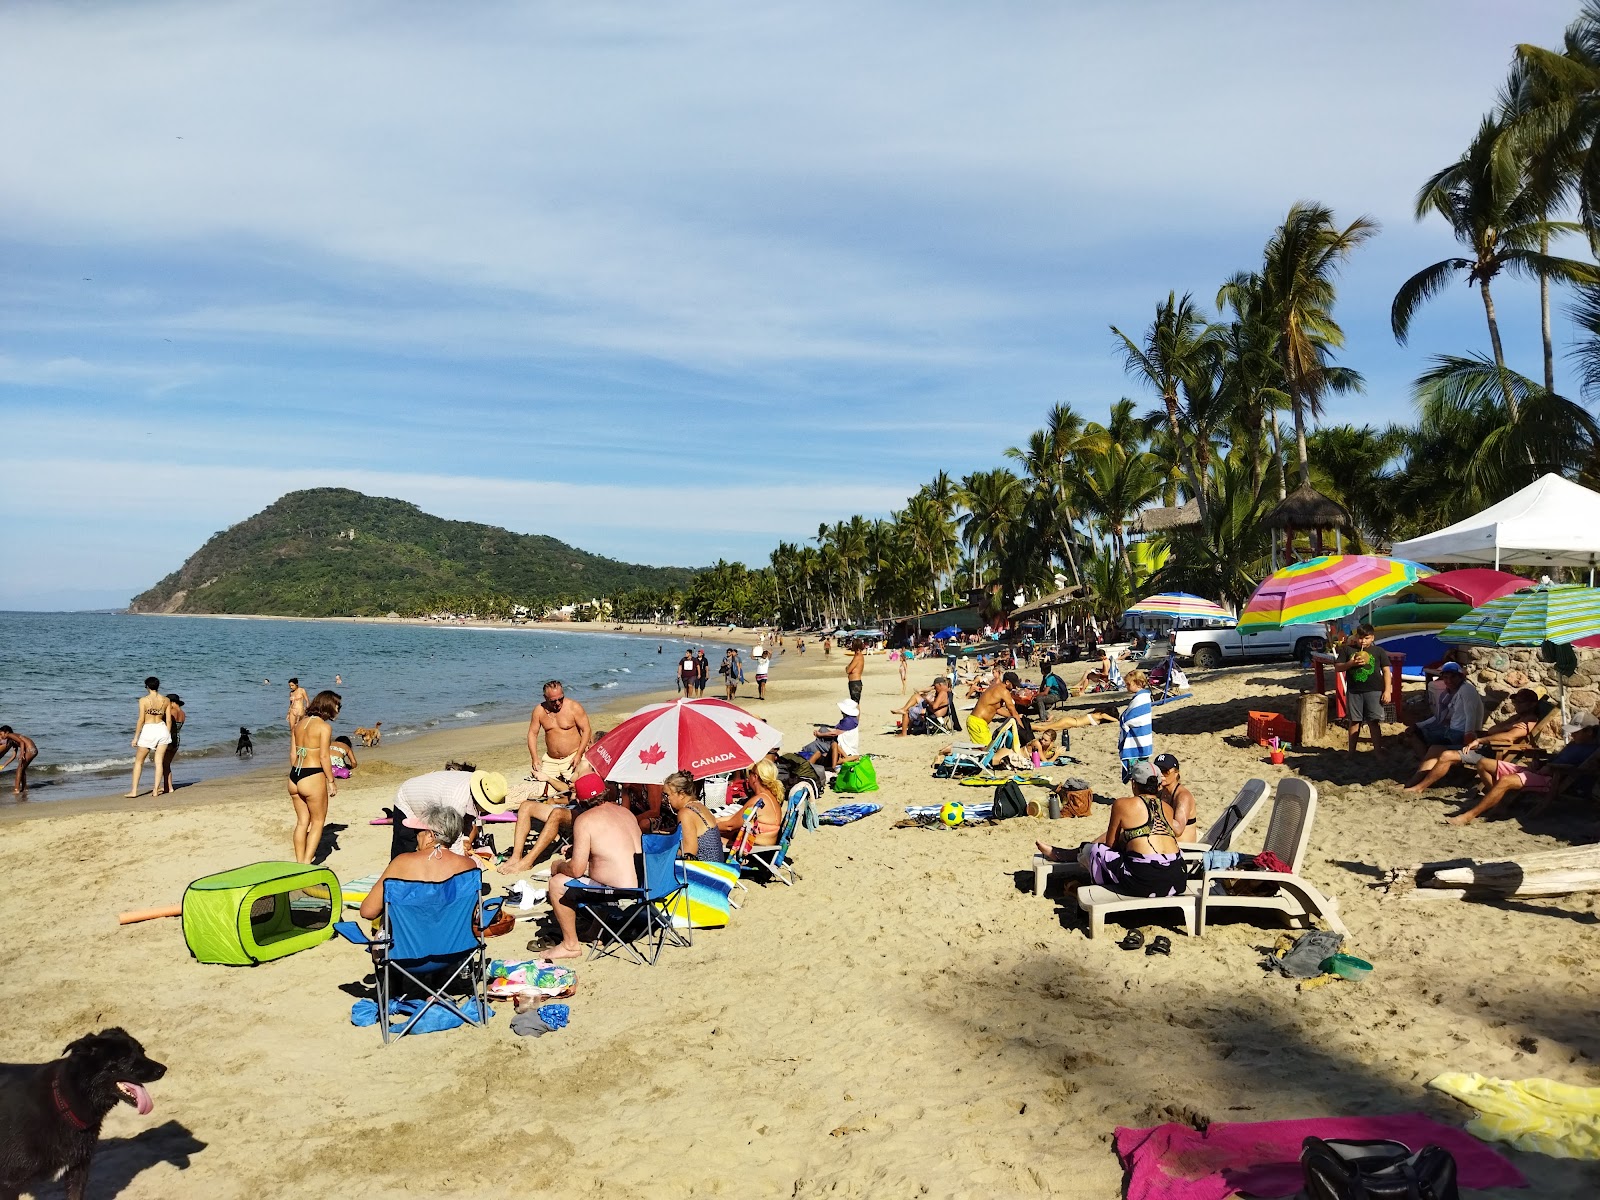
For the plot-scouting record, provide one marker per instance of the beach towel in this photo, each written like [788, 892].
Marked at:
[356, 890]
[1136, 738]
[845, 813]
[706, 901]
[1538, 1115]
[1262, 1158]
[365, 1012]
[974, 812]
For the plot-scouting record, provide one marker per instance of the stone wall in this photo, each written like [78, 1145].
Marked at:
[1499, 672]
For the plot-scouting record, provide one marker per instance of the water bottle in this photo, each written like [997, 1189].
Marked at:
[1055, 806]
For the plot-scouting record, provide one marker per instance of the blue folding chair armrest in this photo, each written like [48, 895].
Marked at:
[350, 931]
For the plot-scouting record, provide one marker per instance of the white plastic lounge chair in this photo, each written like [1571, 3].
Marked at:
[1294, 809]
[1101, 902]
[1235, 818]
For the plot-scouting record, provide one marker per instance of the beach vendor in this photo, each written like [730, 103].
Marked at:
[567, 736]
[763, 658]
[1366, 669]
[605, 842]
[1138, 855]
[470, 794]
[436, 830]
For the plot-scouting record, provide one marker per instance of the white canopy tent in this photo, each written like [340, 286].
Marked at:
[1552, 522]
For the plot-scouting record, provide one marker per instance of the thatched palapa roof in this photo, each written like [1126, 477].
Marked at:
[1054, 600]
[1307, 508]
[1164, 520]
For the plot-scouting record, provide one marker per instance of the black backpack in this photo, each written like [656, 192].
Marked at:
[1009, 802]
[1376, 1170]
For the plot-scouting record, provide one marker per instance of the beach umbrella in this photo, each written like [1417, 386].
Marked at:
[1175, 605]
[1325, 589]
[949, 631]
[704, 736]
[1529, 617]
[1474, 586]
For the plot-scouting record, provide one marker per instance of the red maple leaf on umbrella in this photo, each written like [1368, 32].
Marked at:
[653, 755]
[746, 730]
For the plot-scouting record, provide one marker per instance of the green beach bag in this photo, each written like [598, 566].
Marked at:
[857, 775]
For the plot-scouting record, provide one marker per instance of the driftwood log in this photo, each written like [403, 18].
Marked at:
[1541, 873]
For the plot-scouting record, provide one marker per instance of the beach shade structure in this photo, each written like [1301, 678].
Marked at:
[1177, 605]
[704, 737]
[1552, 522]
[254, 914]
[1472, 586]
[949, 632]
[1530, 617]
[1325, 589]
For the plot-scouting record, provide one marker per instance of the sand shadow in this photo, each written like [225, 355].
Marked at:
[118, 1161]
[328, 844]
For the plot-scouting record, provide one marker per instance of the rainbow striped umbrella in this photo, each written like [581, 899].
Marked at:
[1325, 589]
[1555, 613]
[1176, 604]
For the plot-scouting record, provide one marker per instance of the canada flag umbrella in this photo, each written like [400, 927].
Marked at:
[703, 737]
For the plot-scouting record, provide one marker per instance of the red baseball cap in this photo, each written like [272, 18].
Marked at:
[589, 787]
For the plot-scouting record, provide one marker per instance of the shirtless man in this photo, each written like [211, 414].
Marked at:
[605, 839]
[995, 702]
[22, 748]
[565, 725]
[853, 670]
[936, 700]
[297, 704]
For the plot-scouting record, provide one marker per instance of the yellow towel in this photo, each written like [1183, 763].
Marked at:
[1538, 1115]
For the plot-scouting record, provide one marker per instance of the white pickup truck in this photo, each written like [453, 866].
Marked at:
[1223, 643]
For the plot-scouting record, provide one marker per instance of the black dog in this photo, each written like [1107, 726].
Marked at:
[50, 1114]
[246, 747]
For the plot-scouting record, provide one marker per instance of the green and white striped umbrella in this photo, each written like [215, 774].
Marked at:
[1553, 612]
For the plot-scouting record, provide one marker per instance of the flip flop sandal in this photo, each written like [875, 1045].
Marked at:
[1133, 940]
[1161, 945]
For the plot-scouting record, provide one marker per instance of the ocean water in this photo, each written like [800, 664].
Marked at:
[71, 681]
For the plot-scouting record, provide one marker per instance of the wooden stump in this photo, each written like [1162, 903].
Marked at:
[1313, 718]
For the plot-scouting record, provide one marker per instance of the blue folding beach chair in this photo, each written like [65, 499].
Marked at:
[429, 941]
[638, 916]
[773, 861]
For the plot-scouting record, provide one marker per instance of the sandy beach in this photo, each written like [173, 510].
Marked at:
[908, 1020]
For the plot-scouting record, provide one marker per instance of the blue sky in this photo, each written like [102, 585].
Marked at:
[669, 282]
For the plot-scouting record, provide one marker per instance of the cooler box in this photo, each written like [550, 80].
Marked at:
[257, 913]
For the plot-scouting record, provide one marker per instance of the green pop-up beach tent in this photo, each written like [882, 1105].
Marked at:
[257, 913]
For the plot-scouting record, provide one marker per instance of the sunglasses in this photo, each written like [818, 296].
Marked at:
[555, 705]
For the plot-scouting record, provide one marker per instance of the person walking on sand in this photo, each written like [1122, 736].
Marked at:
[763, 658]
[297, 704]
[903, 655]
[1366, 668]
[567, 735]
[21, 749]
[702, 671]
[732, 672]
[175, 727]
[688, 672]
[854, 668]
[150, 735]
[310, 769]
[605, 842]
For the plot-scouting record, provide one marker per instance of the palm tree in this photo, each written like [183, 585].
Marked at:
[1484, 199]
[1553, 107]
[994, 501]
[1117, 485]
[1297, 290]
[1225, 557]
[1175, 348]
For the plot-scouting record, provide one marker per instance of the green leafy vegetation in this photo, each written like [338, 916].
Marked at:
[334, 552]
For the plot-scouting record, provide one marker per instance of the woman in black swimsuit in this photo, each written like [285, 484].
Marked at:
[310, 769]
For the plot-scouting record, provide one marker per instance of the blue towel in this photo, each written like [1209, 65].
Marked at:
[554, 1015]
[365, 1012]
[1136, 739]
[845, 813]
[1221, 860]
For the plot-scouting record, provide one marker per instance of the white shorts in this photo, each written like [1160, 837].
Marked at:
[153, 734]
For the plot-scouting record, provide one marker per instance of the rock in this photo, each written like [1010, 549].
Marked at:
[1516, 679]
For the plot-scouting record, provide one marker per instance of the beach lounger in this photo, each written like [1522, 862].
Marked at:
[631, 918]
[1234, 819]
[428, 940]
[1294, 809]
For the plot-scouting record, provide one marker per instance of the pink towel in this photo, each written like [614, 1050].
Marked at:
[1262, 1158]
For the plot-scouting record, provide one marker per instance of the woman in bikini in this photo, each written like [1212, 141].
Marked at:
[310, 771]
[767, 791]
[175, 719]
[1138, 854]
[696, 826]
[1176, 795]
[151, 734]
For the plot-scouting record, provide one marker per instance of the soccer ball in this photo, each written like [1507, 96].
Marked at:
[952, 814]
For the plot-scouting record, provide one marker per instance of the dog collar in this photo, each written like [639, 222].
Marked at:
[62, 1106]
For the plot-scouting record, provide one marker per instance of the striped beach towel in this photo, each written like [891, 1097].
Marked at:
[845, 813]
[974, 812]
[1136, 738]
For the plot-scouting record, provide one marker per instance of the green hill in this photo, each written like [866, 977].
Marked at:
[333, 552]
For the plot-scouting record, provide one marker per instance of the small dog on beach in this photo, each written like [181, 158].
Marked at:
[50, 1113]
[371, 737]
[246, 747]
